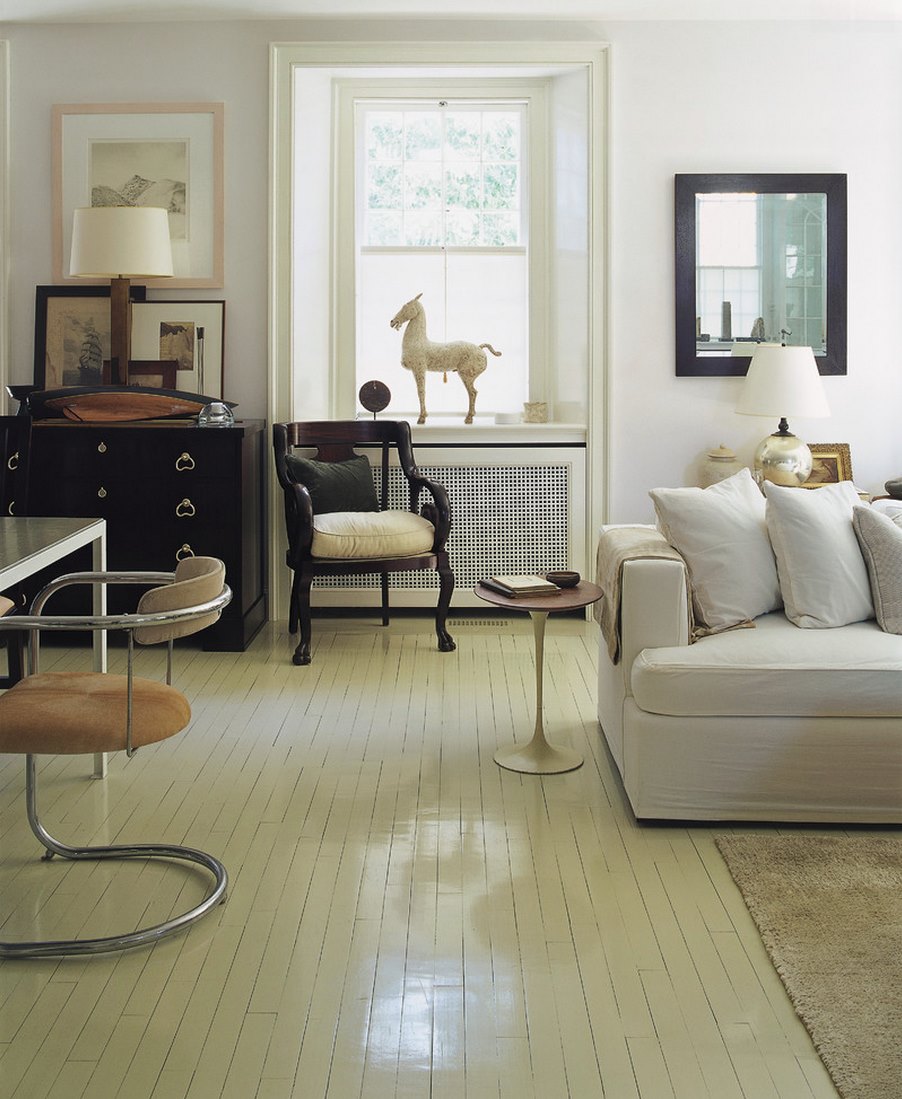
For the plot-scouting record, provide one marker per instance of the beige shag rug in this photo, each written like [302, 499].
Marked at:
[829, 909]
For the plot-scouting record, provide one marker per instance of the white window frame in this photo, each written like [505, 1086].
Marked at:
[348, 92]
[490, 48]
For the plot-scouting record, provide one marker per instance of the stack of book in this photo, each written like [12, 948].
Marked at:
[514, 586]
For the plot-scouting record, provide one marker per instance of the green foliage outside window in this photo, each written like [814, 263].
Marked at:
[443, 177]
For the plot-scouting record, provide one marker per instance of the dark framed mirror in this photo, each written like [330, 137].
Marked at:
[759, 259]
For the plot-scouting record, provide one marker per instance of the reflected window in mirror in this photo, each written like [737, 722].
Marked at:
[759, 259]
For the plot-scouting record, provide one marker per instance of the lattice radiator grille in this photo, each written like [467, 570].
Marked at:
[506, 520]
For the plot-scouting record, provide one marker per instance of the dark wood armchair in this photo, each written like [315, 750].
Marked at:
[324, 539]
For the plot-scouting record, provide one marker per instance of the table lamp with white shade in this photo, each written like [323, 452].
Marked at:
[120, 243]
[783, 381]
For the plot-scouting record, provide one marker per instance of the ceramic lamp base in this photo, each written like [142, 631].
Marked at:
[783, 459]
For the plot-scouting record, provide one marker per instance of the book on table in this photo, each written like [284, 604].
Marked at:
[514, 586]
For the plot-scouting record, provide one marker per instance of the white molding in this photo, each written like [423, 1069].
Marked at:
[420, 58]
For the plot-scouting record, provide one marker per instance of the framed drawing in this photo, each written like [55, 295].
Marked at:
[831, 463]
[146, 372]
[190, 332]
[144, 154]
[72, 334]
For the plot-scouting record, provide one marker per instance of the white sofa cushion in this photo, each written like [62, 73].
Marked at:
[363, 534]
[775, 670]
[880, 538]
[823, 576]
[722, 535]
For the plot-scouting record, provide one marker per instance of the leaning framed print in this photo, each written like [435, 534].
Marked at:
[190, 332]
[830, 463]
[144, 154]
[72, 334]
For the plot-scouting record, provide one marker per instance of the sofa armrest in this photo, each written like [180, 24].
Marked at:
[654, 607]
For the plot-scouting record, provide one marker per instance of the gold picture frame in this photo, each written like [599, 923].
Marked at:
[832, 463]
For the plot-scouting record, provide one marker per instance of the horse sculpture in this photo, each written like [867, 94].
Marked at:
[419, 354]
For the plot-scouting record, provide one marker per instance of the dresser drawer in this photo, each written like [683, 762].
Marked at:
[115, 453]
[166, 491]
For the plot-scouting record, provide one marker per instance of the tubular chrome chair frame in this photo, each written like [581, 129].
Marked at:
[35, 622]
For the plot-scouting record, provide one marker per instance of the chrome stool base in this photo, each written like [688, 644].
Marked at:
[141, 937]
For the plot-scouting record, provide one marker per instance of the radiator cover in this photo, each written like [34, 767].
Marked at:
[507, 518]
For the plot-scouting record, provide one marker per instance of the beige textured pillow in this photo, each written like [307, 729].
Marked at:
[880, 539]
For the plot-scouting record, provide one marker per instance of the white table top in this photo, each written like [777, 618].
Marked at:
[29, 544]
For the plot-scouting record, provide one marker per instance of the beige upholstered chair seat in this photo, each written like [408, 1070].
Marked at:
[71, 713]
[6, 605]
[356, 535]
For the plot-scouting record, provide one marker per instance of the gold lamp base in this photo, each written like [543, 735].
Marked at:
[783, 458]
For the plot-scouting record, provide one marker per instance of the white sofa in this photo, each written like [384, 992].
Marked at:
[773, 723]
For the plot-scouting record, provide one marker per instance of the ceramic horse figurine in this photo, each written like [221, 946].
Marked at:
[419, 354]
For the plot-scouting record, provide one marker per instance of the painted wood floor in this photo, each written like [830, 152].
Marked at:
[405, 919]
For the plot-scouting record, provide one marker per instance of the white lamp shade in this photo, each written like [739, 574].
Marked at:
[783, 382]
[120, 242]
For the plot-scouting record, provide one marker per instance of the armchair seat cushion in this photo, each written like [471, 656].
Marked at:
[71, 713]
[359, 535]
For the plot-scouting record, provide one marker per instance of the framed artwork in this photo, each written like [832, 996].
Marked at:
[191, 333]
[145, 372]
[144, 154]
[831, 463]
[72, 334]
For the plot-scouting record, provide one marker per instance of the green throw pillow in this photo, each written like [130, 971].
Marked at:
[336, 486]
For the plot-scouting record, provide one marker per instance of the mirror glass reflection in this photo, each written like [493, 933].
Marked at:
[760, 258]
[761, 271]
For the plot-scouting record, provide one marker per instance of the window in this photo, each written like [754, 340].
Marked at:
[729, 267]
[442, 197]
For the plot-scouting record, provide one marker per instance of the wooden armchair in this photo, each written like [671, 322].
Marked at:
[337, 526]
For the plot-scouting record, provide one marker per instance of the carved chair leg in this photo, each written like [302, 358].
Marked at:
[446, 587]
[293, 603]
[302, 652]
[384, 598]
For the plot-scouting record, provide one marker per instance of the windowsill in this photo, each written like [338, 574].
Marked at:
[484, 430]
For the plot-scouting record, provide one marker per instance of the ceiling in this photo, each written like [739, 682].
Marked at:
[139, 11]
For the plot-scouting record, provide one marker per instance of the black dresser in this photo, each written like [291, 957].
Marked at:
[166, 491]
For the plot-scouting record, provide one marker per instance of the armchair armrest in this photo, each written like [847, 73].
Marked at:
[437, 511]
[298, 520]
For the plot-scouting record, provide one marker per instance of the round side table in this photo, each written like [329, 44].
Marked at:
[538, 757]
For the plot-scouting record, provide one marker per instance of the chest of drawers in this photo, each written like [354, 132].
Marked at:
[167, 491]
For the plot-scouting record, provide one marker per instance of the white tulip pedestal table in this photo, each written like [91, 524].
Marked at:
[538, 757]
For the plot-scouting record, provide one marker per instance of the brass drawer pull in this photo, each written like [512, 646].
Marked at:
[101, 448]
[101, 492]
[184, 462]
[12, 463]
[185, 510]
[11, 508]
[184, 551]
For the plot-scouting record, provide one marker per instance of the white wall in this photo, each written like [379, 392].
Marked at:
[751, 97]
[685, 97]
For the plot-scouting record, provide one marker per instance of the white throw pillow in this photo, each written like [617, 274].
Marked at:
[722, 535]
[822, 572]
[880, 538]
